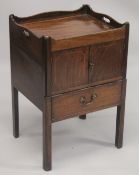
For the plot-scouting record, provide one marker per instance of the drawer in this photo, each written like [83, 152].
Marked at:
[86, 100]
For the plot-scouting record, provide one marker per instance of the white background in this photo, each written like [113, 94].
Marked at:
[79, 147]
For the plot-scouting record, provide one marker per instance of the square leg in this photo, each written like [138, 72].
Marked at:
[120, 119]
[119, 127]
[83, 117]
[47, 152]
[15, 112]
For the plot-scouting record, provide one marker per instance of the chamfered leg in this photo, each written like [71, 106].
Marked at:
[83, 117]
[47, 152]
[15, 111]
[120, 119]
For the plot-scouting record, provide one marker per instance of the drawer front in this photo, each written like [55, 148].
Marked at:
[85, 101]
[106, 61]
[69, 69]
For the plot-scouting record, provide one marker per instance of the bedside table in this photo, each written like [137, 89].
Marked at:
[68, 63]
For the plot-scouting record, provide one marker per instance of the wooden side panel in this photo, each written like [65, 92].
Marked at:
[27, 76]
[28, 42]
[107, 60]
[79, 102]
[69, 69]
[26, 63]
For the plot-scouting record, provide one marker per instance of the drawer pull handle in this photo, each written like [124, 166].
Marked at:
[83, 99]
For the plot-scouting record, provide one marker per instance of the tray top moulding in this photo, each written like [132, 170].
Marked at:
[67, 27]
[63, 27]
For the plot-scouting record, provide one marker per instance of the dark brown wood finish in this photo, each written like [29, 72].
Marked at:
[63, 28]
[26, 64]
[106, 61]
[92, 28]
[47, 66]
[47, 165]
[127, 26]
[69, 69]
[47, 103]
[97, 38]
[121, 108]
[15, 108]
[86, 100]
[120, 118]
[68, 63]
[15, 112]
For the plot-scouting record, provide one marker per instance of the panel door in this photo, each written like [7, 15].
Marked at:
[106, 61]
[69, 69]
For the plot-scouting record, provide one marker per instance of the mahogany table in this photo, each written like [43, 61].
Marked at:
[68, 63]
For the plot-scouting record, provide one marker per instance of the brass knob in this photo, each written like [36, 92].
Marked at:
[91, 65]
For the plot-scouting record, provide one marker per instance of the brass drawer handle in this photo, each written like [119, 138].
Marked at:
[83, 99]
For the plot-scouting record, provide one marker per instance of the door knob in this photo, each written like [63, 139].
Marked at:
[91, 65]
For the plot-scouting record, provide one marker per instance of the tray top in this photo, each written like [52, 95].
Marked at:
[67, 27]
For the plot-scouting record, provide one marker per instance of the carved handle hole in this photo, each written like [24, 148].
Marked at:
[106, 20]
[26, 33]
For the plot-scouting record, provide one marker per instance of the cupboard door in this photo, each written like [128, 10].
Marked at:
[69, 69]
[106, 61]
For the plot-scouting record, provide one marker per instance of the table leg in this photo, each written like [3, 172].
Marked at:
[83, 117]
[120, 119]
[47, 135]
[15, 112]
